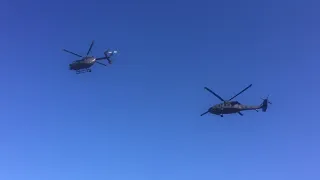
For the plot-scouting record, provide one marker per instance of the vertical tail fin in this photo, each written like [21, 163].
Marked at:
[264, 104]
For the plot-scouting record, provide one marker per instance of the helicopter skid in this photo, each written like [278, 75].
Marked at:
[83, 71]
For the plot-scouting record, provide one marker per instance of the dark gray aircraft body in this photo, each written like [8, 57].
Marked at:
[85, 63]
[230, 107]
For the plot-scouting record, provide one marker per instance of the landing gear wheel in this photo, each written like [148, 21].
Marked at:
[221, 115]
[88, 70]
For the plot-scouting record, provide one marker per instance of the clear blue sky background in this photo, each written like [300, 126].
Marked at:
[139, 119]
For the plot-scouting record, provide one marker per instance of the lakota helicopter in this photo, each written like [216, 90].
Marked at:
[230, 107]
[83, 65]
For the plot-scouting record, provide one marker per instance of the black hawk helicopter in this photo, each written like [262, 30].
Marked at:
[230, 107]
[84, 64]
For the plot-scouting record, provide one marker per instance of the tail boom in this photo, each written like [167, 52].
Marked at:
[247, 108]
[263, 106]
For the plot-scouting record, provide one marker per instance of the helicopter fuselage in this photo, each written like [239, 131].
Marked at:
[230, 108]
[84, 63]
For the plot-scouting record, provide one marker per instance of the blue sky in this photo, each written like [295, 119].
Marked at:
[139, 118]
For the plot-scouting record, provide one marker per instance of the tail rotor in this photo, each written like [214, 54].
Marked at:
[107, 56]
[108, 53]
[265, 103]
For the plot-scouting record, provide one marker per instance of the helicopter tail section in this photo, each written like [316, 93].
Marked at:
[108, 54]
[264, 104]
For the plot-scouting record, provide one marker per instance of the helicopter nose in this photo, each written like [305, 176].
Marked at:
[212, 109]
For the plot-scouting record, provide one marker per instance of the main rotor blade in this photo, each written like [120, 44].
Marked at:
[214, 93]
[90, 48]
[240, 92]
[71, 52]
[204, 113]
[101, 63]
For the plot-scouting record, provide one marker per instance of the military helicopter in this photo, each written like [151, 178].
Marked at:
[83, 65]
[230, 107]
